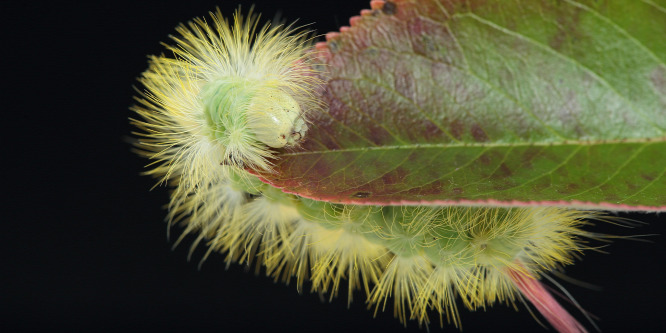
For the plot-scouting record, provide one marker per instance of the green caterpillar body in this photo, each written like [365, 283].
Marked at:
[422, 256]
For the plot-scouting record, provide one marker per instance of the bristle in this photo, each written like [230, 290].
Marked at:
[403, 280]
[346, 255]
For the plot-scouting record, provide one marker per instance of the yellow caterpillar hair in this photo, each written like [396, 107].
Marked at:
[229, 93]
[232, 92]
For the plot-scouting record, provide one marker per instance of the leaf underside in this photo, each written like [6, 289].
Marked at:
[492, 102]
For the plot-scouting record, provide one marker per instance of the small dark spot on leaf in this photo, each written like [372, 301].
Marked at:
[503, 171]
[478, 133]
[647, 177]
[431, 130]
[395, 176]
[361, 195]
[456, 129]
[378, 134]
[530, 154]
[389, 8]
[572, 187]
[484, 159]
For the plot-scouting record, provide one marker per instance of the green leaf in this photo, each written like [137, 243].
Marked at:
[493, 102]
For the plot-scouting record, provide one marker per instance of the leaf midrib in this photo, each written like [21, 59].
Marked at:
[479, 145]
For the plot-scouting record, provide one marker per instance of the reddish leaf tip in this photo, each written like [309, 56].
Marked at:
[332, 35]
[366, 12]
[377, 4]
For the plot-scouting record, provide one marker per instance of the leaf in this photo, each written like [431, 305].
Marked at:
[491, 102]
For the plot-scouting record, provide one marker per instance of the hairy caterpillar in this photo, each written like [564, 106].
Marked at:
[230, 94]
[424, 258]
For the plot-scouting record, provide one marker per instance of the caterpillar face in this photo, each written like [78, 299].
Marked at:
[276, 120]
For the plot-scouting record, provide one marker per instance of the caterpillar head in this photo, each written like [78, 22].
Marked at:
[276, 120]
[231, 93]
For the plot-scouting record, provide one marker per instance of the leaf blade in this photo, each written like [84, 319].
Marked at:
[491, 102]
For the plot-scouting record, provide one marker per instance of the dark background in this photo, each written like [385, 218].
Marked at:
[84, 240]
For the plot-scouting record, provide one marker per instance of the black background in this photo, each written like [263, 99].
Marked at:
[84, 240]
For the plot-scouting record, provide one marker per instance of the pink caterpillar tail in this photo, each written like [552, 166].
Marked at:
[535, 292]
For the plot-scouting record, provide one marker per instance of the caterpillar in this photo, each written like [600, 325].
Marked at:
[229, 94]
[232, 93]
